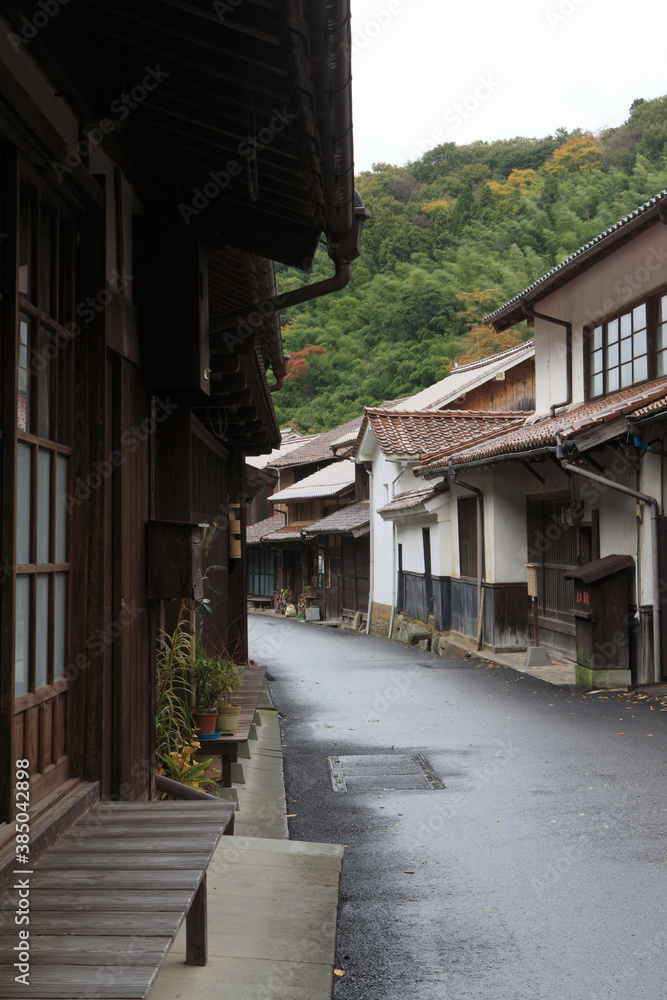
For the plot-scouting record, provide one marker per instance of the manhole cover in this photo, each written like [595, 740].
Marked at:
[384, 771]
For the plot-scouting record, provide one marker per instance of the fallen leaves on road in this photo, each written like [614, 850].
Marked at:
[339, 972]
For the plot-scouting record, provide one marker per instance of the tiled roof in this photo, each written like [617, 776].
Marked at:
[348, 519]
[255, 532]
[289, 534]
[411, 499]
[462, 379]
[329, 481]
[639, 401]
[319, 448]
[410, 433]
[286, 448]
[583, 258]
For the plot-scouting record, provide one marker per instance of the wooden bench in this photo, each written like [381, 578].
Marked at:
[262, 602]
[107, 900]
[227, 747]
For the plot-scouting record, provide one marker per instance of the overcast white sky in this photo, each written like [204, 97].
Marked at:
[433, 71]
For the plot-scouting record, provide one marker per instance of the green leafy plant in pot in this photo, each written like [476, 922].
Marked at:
[228, 711]
[208, 684]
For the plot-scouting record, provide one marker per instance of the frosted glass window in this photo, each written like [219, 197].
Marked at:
[626, 375]
[612, 380]
[612, 331]
[59, 626]
[23, 402]
[23, 502]
[596, 385]
[626, 349]
[21, 634]
[597, 338]
[61, 509]
[641, 369]
[639, 317]
[612, 355]
[43, 504]
[626, 324]
[42, 631]
[44, 368]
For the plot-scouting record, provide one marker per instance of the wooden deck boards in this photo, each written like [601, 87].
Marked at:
[107, 900]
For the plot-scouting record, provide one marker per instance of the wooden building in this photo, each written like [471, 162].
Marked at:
[578, 492]
[416, 568]
[155, 159]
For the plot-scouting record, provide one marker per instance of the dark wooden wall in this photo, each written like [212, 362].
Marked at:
[515, 392]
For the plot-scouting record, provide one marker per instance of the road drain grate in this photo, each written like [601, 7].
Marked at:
[382, 772]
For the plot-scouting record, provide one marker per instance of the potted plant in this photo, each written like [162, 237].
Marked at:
[208, 683]
[228, 713]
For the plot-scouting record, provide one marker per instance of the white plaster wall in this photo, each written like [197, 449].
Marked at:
[623, 278]
[441, 548]
[410, 537]
[383, 475]
[507, 545]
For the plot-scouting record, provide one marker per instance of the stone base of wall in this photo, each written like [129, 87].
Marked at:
[380, 618]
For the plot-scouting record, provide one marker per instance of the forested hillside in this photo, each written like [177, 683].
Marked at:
[451, 237]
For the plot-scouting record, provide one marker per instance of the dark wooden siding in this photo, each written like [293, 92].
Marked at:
[415, 596]
[515, 392]
[553, 545]
[467, 515]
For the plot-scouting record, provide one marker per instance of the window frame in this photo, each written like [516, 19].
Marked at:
[46, 431]
[651, 302]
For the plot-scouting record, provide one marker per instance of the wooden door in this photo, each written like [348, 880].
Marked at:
[553, 546]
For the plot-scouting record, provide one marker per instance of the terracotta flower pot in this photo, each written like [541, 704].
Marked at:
[228, 718]
[205, 722]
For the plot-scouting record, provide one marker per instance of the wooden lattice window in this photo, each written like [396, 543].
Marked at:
[43, 448]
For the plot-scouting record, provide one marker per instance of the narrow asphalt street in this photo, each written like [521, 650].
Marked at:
[537, 871]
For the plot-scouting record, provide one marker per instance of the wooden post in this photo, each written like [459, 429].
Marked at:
[196, 934]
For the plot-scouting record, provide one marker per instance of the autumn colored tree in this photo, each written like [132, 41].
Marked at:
[483, 341]
[298, 362]
[478, 304]
[579, 155]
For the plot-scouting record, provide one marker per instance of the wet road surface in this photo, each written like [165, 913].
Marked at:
[537, 871]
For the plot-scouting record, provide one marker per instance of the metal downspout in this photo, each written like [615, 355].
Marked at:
[404, 466]
[254, 314]
[653, 504]
[371, 574]
[480, 533]
[568, 354]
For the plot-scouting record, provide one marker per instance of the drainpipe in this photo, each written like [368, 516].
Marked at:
[480, 538]
[404, 466]
[568, 353]
[371, 575]
[653, 504]
[256, 312]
